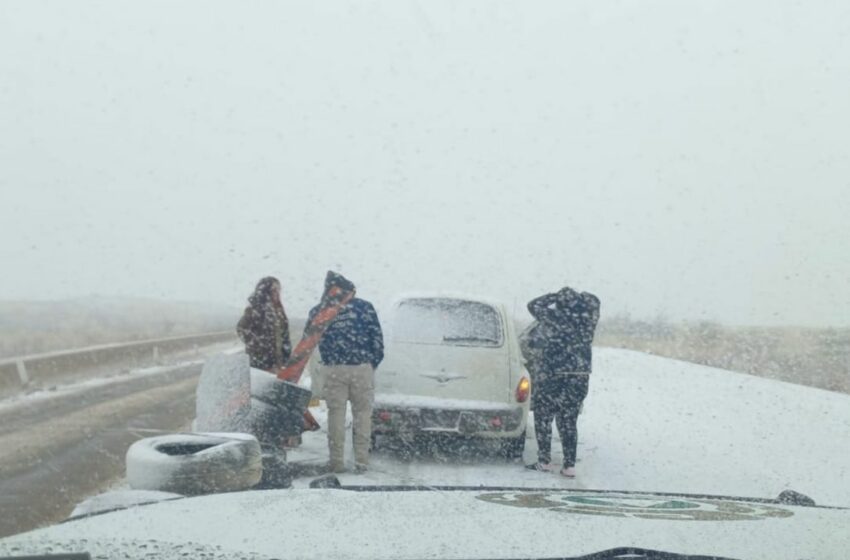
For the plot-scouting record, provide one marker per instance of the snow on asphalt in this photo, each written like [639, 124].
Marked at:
[655, 424]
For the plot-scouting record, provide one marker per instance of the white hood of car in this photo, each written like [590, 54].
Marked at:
[456, 524]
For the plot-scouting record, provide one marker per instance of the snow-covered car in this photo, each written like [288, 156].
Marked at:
[452, 367]
[414, 522]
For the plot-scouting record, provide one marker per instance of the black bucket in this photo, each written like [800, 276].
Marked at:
[283, 394]
[277, 473]
[278, 411]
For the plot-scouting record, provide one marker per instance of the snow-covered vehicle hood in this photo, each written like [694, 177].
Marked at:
[386, 523]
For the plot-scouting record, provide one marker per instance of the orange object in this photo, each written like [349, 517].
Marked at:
[338, 292]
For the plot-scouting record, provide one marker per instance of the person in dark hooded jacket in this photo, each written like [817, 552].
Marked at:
[351, 349]
[264, 327]
[566, 323]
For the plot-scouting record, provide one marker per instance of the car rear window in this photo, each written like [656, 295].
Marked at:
[447, 321]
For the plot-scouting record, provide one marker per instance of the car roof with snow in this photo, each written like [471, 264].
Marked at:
[447, 295]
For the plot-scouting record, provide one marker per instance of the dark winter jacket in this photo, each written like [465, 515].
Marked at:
[264, 329]
[354, 337]
[565, 331]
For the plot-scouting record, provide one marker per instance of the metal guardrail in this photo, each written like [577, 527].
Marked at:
[21, 372]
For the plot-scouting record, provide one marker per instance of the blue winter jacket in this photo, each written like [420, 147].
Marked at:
[354, 337]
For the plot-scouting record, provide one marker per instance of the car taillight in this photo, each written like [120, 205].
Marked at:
[523, 390]
[385, 416]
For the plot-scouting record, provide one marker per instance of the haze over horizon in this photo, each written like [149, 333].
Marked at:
[682, 160]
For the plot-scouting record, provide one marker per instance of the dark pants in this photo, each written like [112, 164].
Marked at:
[264, 362]
[558, 397]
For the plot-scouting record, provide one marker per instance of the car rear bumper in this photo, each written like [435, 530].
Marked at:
[504, 422]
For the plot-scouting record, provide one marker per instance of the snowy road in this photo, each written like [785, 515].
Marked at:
[57, 447]
[655, 424]
[650, 424]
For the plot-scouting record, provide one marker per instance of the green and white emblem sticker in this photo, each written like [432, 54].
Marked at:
[639, 506]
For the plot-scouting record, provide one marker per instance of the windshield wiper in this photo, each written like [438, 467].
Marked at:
[629, 553]
[469, 339]
[56, 556]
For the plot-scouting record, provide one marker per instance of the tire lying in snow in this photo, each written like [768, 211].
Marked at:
[195, 463]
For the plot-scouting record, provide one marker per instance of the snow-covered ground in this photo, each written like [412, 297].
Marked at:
[655, 424]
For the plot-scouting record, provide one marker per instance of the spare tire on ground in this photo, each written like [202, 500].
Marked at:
[195, 463]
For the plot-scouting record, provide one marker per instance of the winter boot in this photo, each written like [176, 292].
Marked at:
[569, 472]
[540, 467]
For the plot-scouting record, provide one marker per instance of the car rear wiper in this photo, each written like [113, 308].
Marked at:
[469, 339]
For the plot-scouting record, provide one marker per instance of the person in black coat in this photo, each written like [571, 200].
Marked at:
[563, 338]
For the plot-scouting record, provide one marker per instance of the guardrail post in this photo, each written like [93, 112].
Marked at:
[22, 373]
[156, 355]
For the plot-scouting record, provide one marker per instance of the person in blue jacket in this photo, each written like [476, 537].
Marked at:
[563, 339]
[351, 349]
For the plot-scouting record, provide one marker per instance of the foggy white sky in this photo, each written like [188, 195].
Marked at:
[678, 158]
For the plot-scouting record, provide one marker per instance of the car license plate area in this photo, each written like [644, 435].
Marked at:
[436, 420]
[439, 420]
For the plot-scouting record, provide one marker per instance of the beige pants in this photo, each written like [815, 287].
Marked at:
[355, 384]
